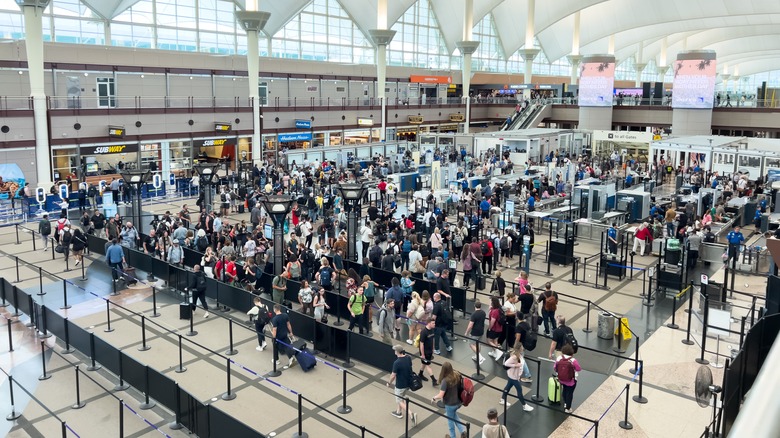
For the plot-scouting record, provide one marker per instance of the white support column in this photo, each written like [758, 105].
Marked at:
[253, 21]
[611, 45]
[381, 39]
[33, 26]
[528, 56]
[639, 68]
[662, 70]
[467, 47]
[574, 60]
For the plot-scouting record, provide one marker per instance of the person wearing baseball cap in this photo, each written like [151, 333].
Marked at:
[400, 380]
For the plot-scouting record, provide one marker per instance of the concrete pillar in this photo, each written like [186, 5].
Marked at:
[381, 38]
[639, 68]
[467, 48]
[528, 56]
[574, 60]
[600, 116]
[33, 27]
[611, 45]
[253, 22]
[688, 117]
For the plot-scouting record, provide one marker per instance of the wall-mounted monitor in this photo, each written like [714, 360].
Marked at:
[597, 81]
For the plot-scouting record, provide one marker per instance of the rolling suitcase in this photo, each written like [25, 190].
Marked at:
[481, 281]
[554, 390]
[240, 208]
[305, 359]
[185, 310]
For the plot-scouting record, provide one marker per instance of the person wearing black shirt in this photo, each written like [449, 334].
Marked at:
[559, 337]
[442, 318]
[443, 284]
[426, 351]
[476, 329]
[150, 242]
[99, 222]
[281, 330]
[526, 300]
[373, 212]
[388, 261]
[197, 286]
[400, 380]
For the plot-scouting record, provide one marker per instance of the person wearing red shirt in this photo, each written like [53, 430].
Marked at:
[382, 186]
[641, 237]
[230, 270]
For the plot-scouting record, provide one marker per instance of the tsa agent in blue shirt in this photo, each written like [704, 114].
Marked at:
[531, 203]
[485, 207]
[612, 238]
[735, 239]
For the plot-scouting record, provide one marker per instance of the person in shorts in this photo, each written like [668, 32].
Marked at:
[476, 329]
[400, 380]
[426, 351]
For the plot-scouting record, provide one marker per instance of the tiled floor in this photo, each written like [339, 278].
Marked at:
[668, 364]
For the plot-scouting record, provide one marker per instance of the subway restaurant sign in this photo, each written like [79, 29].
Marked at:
[110, 149]
[214, 142]
[116, 131]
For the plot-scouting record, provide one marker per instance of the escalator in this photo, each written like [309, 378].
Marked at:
[531, 117]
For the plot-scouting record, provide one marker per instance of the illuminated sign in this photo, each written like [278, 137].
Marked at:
[116, 131]
[289, 138]
[420, 79]
[694, 83]
[223, 127]
[213, 142]
[457, 117]
[597, 80]
[362, 121]
[416, 120]
[303, 124]
[110, 149]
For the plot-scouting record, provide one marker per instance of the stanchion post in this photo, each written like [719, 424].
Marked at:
[687, 340]
[16, 228]
[147, 404]
[536, 397]
[45, 375]
[230, 351]
[83, 272]
[121, 386]
[33, 315]
[636, 355]
[275, 346]
[176, 423]
[619, 349]
[338, 322]
[108, 317]
[347, 362]
[43, 328]
[587, 328]
[478, 376]
[17, 269]
[625, 424]
[94, 366]
[144, 346]
[13, 415]
[639, 398]
[192, 331]
[10, 337]
[121, 418]
[229, 395]
[344, 408]
[40, 282]
[300, 433]
[154, 303]
[79, 404]
[705, 322]
[65, 304]
[68, 349]
[181, 368]
[672, 325]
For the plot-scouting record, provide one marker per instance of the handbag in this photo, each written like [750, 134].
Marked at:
[415, 382]
[324, 319]
[59, 249]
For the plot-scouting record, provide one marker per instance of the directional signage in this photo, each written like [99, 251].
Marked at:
[303, 124]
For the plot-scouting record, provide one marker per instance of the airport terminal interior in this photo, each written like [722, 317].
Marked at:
[389, 218]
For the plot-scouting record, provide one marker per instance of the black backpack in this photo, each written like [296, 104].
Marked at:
[432, 221]
[501, 317]
[46, 227]
[570, 339]
[202, 243]
[201, 284]
[484, 248]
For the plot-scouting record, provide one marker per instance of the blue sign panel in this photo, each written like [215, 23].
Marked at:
[303, 124]
[288, 138]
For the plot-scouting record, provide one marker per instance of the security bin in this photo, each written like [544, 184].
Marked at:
[606, 326]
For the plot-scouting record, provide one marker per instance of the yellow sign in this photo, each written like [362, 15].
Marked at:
[656, 137]
[457, 117]
[363, 121]
[222, 127]
[116, 132]
[416, 120]
[625, 332]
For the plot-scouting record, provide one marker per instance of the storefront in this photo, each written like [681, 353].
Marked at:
[361, 136]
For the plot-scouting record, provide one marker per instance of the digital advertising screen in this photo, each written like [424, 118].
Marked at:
[597, 80]
[694, 83]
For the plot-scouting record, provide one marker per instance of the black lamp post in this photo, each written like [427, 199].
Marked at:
[352, 194]
[207, 173]
[278, 206]
[136, 179]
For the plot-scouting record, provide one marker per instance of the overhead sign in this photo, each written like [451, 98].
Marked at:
[421, 79]
[457, 117]
[416, 120]
[289, 138]
[116, 131]
[110, 149]
[213, 142]
[520, 86]
[223, 127]
[363, 121]
[303, 124]
[625, 136]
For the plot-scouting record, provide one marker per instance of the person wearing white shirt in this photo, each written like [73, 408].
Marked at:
[415, 258]
[307, 232]
[365, 238]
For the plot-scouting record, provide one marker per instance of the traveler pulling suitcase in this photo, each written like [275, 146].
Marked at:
[554, 390]
[305, 359]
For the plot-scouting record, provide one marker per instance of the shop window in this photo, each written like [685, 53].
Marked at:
[262, 91]
[106, 93]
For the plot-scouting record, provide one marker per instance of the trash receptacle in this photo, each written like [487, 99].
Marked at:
[606, 326]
